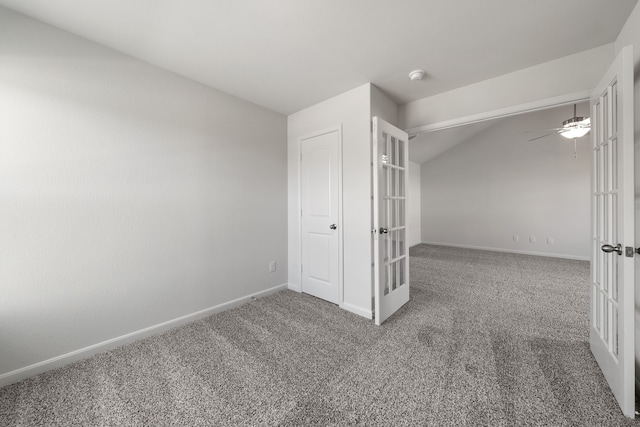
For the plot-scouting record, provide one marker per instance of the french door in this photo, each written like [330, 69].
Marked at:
[391, 250]
[612, 212]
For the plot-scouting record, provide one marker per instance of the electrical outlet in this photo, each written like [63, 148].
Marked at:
[516, 238]
[549, 240]
[532, 239]
[272, 266]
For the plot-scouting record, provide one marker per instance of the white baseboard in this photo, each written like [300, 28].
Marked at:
[515, 251]
[62, 360]
[295, 288]
[357, 310]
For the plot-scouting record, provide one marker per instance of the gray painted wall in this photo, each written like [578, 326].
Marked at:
[414, 235]
[129, 196]
[496, 185]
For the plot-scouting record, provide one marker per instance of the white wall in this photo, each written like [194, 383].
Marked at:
[568, 75]
[494, 185]
[383, 107]
[129, 196]
[351, 111]
[414, 236]
[630, 35]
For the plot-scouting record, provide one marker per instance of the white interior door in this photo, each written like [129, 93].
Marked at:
[391, 250]
[612, 213]
[320, 212]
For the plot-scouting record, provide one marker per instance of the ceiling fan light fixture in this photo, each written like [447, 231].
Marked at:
[576, 127]
[574, 133]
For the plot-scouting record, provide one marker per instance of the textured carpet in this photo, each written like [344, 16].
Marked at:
[487, 339]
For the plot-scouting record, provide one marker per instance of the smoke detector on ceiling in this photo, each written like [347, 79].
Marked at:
[416, 75]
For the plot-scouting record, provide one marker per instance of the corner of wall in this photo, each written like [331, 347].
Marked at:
[382, 106]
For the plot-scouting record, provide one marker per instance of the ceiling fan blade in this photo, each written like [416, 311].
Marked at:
[543, 136]
[543, 130]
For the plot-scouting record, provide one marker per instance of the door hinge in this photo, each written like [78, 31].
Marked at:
[301, 268]
[300, 212]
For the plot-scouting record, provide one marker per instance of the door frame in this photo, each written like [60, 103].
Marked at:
[324, 131]
[543, 104]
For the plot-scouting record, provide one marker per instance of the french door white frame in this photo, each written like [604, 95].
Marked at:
[390, 167]
[612, 222]
[325, 131]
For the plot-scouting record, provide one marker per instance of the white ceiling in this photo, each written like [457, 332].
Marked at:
[286, 55]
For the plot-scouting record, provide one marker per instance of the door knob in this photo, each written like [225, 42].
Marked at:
[333, 226]
[384, 230]
[609, 248]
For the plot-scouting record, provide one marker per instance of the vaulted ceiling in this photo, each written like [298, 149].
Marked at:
[286, 55]
[428, 146]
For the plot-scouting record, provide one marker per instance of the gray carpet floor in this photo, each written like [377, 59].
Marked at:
[488, 339]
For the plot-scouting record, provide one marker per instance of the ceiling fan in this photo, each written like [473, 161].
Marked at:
[573, 128]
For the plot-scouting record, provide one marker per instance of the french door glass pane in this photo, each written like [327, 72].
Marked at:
[598, 304]
[614, 330]
[394, 245]
[393, 159]
[605, 153]
[606, 231]
[605, 319]
[605, 279]
[596, 264]
[394, 276]
[605, 117]
[614, 108]
[614, 163]
[393, 187]
[614, 284]
[385, 149]
[614, 218]
[601, 176]
[392, 212]
[386, 279]
[598, 228]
